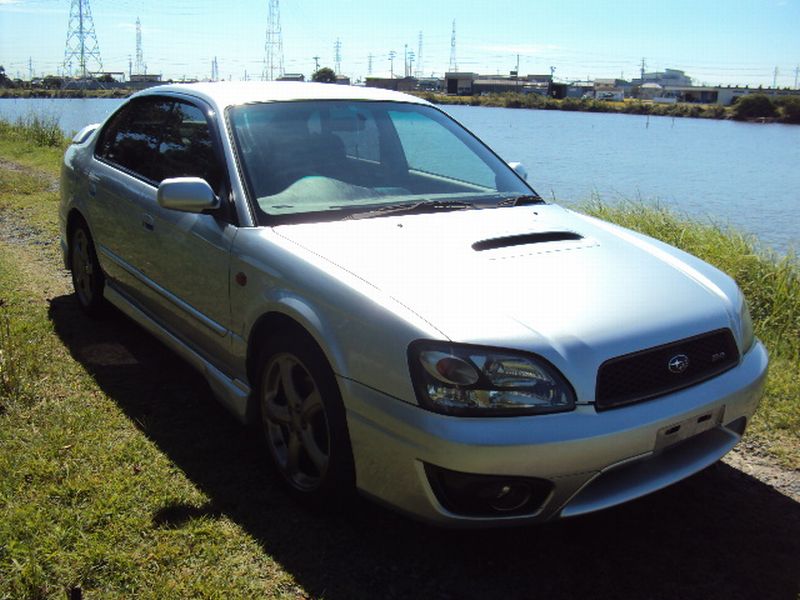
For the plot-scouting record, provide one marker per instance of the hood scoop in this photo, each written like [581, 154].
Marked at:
[525, 239]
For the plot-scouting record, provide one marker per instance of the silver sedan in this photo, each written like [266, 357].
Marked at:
[398, 310]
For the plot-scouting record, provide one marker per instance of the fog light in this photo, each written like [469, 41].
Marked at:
[506, 496]
[487, 495]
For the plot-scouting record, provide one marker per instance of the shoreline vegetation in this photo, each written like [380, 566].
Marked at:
[753, 108]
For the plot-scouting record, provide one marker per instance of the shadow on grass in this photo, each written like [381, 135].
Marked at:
[720, 534]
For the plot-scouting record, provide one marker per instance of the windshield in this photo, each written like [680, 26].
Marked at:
[320, 160]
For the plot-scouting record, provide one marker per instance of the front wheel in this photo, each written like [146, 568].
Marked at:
[304, 422]
[87, 276]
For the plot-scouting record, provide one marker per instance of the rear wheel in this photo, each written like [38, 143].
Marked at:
[87, 277]
[304, 422]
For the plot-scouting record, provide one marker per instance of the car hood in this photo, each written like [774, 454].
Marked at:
[570, 287]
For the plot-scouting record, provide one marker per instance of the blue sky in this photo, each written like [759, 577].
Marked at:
[736, 41]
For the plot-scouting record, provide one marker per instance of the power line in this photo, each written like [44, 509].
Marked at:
[81, 47]
[337, 58]
[453, 63]
[273, 45]
[419, 72]
[140, 68]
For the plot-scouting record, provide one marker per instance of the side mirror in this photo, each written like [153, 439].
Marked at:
[519, 169]
[187, 194]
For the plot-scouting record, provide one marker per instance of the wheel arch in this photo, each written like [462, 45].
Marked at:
[275, 323]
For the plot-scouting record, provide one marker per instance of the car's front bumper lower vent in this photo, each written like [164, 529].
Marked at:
[664, 369]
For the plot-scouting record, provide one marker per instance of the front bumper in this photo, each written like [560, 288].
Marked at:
[594, 460]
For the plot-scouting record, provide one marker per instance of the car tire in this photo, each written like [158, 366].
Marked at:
[88, 279]
[303, 421]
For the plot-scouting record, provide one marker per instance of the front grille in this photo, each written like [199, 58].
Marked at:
[647, 374]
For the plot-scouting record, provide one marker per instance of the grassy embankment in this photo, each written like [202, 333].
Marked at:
[785, 109]
[86, 484]
[65, 93]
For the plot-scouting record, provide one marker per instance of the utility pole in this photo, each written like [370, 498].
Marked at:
[273, 44]
[316, 63]
[392, 54]
[82, 41]
[337, 52]
[411, 57]
[130, 67]
[516, 73]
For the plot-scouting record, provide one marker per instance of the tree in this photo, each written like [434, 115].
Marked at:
[324, 75]
[753, 106]
[3, 79]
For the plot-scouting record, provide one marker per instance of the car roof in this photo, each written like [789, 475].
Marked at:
[225, 93]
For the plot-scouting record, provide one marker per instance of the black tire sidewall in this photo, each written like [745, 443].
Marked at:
[339, 482]
[96, 305]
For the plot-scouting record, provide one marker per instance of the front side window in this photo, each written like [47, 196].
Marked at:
[157, 138]
[321, 160]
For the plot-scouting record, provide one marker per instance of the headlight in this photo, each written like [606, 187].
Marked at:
[460, 379]
[746, 325]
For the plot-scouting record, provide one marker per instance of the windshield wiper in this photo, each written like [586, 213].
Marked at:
[521, 200]
[423, 206]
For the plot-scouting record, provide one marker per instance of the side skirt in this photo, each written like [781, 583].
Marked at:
[233, 393]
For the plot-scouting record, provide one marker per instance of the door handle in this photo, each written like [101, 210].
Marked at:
[148, 223]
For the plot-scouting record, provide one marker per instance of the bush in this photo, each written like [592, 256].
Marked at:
[753, 106]
[789, 108]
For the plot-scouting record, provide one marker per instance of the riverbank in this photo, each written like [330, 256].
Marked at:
[782, 110]
[65, 93]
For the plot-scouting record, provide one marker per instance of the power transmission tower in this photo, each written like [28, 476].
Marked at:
[81, 48]
[139, 54]
[273, 46]
[642, 71]
[392, 54]
[796, 73]
[369, 64]
[775, 78]
[214, 70]
[337, 56]
[30, 69]
[453, 63]
[419, 72]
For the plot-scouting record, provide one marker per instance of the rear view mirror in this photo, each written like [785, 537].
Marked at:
[187, 194]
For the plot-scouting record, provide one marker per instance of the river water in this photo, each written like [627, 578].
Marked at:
[741, 174]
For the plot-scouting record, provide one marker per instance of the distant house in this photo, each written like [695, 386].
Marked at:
[292, 77]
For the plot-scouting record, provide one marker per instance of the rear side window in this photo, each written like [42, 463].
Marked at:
[158, 138]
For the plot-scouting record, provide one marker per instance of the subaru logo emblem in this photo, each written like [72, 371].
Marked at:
[678, 364]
